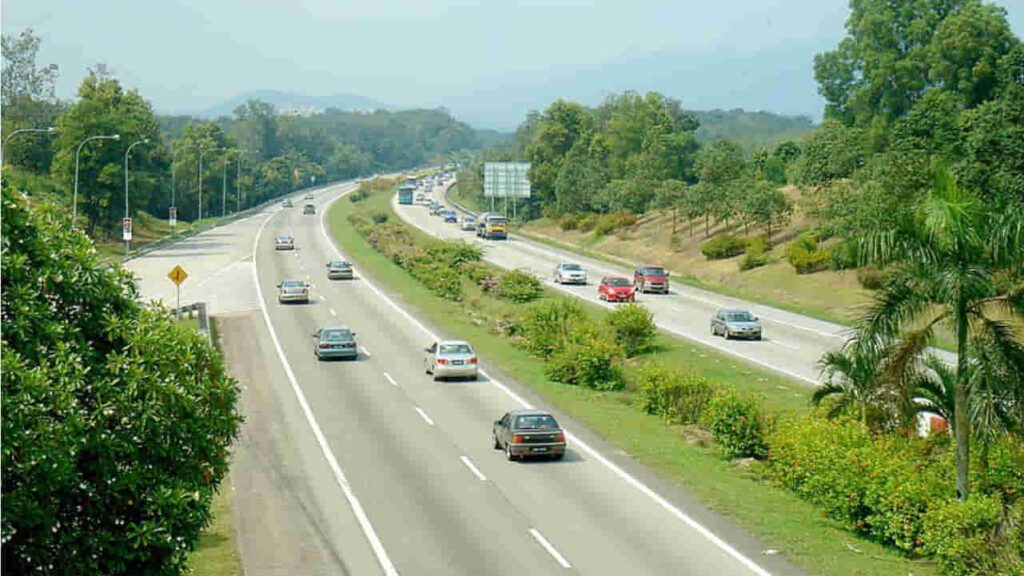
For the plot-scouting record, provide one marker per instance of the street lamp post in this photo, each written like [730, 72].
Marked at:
[23, 131]
[224, 190]
[74, 197]
[238, 177]
[174, 156]
[201, 153]
[127, 239]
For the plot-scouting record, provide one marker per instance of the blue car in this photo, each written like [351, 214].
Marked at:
[451, 216]
[335, 343]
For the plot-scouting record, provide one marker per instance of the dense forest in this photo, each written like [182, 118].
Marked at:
[251, 156]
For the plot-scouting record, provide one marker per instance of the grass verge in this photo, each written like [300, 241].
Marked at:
[777, 517]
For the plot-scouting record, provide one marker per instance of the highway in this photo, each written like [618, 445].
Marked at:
[792, 343]
[370, 467]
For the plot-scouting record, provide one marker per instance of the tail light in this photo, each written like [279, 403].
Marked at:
[442, 361]
[560, 437]
[325, 345]
[517, 439]
[472, 360]
[350, 345]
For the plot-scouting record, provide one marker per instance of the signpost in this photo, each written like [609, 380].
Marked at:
[126, 233]
[177, 275]
[172, 217]
[506, 180]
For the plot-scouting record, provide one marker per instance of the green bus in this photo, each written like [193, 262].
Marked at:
[405, 193]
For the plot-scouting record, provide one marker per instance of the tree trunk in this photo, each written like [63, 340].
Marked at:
[961, 422]
[707, 225]
[673, 221]
[769, 230]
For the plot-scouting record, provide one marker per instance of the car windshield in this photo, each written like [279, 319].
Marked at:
[338, 335]
[739, 316]
[496, 221]
[339, 265]
[284, 238]
[456, 349]
[619, 282]
[654, 271]
[573, 267]
[293, 284]
[536, 422]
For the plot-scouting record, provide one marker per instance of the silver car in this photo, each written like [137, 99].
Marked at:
[569, 273]
[284, 243]
[293, 291]
[468, 224]
[339, 270]
[735, 324]
[450, 359]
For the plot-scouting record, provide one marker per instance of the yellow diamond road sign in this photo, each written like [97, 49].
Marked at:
[177, 275]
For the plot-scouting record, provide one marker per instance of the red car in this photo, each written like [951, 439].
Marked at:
[651, 279]
[616, 289]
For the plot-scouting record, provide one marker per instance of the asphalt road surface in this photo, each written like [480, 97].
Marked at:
[792, 344]
[369, 466]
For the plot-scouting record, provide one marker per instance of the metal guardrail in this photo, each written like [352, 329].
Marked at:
[458, 206]
[196, 309]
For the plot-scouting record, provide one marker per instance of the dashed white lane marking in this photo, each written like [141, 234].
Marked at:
[784, 344]
[390, 379]
[339, 476]
[423, 415]
[323, 298]
[660, 500]
[331, 310]
[551, 549]
[472, 468]
[365, 351]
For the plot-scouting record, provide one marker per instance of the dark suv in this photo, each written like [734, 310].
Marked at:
[650, 279]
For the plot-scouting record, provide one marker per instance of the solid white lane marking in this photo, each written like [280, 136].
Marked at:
[551, 549]
[626, 476]
[365, 351]
[364, 521]
[472, 468]
[784, 344]
[390, 379]
[423, 415]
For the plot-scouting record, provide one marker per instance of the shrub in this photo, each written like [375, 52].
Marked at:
[359, 195]
[519, 286]
[678, 397]
[722, 246]
[548, 325]
[568, 221]
[967, 540]
[756, 255]
[477, 272]
[804, 255]
[587, 223]
[845, 255]
[633, 328]
[608, 223]
[440, 279]
[452, 253]
[871, 278]
[738, 424]
[589, 360]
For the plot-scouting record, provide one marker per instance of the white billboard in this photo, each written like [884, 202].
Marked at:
[506, 180]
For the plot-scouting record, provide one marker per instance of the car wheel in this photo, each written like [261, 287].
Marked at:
[435, 376]
[714, 331]
[758, 338]
[508, 453]
[727, 335]
[494, 438]
[558, 456]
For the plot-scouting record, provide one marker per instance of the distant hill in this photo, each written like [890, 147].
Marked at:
[290, 102]
[751, 130]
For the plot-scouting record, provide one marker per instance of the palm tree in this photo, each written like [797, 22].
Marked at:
[947, 258]
[854, 376]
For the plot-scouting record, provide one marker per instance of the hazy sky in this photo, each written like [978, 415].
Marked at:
[487, 61]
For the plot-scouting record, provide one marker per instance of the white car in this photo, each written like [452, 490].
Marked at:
[284, 243]
[450, 359]
[569, 273]
[468, 224]
[293, 291]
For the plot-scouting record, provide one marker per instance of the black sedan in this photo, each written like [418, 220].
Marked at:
[522, 433]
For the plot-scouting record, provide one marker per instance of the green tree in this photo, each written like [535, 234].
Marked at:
[855, 378]
[104, 107]
[27, 100]
[196, 138]
[557, 131]
[583, 174]
[117, 422]
[830, 153]
[257, 127]
[946, 259]
[765, 204]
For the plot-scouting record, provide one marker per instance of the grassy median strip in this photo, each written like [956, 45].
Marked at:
[778, 518]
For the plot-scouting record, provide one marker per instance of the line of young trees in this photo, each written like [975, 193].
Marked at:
[255, 155]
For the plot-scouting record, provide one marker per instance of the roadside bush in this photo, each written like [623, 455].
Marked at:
[568, 221]
[845, 255]
[677, 396]
[738, 424]
[871, 278]
[589, 360]
[587, 222]
[756, 254]
[608, 223]
[440, 279]
[723, 246]
[452, 253]
[547, 326]
[973, 539]
[804, 254]
[358, 196]
[477, 272]
[633, 328]
[519, 286]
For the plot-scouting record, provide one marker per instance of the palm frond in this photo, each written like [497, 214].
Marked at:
[1006, 238]
[897, 304]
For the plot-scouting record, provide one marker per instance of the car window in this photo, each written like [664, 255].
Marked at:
[619, 282]
[339, 265]
[536, 422]
[292, 284]
[336, 335]
[740, 317]
[456, 349]
[571, 267]
[654, 271]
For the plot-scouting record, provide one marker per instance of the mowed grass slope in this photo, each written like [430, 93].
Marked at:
[778, 518]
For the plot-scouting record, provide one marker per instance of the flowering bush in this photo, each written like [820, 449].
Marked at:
[679, 397]
[737, 423]
[633, 326]
[590, 360]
